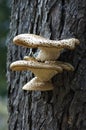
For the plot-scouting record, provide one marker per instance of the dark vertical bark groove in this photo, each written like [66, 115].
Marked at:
[62, 17]
[64, 108]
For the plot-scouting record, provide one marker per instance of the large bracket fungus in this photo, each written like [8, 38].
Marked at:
[44, 66]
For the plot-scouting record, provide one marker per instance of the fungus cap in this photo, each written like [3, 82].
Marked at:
[38, 85]
[49, 49]
[25, 65]
[34, 41]
[42, 70]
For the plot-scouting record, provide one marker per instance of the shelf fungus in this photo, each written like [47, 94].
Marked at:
[44, 66]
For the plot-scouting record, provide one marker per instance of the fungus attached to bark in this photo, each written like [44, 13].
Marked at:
[49, 49]
[44, 65]
[43, 72]
[37, 84]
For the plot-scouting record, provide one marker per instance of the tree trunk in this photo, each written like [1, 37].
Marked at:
[64, 108]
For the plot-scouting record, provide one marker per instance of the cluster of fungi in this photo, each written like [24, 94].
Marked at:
[44, 66]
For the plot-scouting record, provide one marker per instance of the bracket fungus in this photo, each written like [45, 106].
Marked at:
[44, 66]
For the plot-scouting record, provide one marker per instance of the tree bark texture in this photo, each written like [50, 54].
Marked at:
[64, 108]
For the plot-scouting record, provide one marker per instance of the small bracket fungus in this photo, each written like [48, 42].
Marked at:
[44, 65]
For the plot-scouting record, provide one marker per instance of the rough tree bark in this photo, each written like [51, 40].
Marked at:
[64, 108]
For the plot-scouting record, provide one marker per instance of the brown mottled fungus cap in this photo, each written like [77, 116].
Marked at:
[34, 41]
[48, 70]
[25, 65]
[43, 71]
[49, 49]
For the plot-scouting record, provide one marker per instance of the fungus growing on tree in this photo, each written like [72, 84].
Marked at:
[49, 49]
[44, 65]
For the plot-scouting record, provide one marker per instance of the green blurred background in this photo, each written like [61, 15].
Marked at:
[4, 30]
